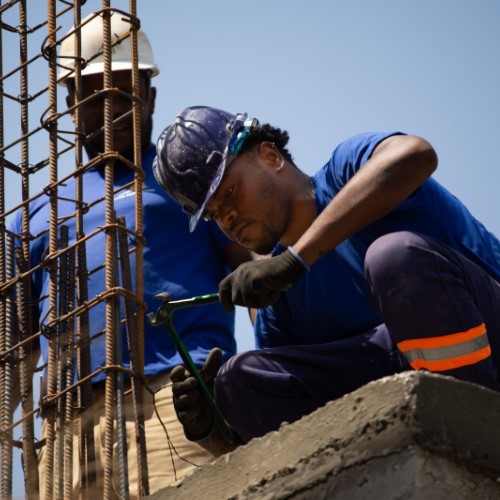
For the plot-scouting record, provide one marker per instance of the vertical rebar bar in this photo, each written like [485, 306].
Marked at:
[110, 252]
[60, 334]
[132, 341]
[6, 272]
[65, 372]
[70, 375]
[120, 400]
[86, 428]
[26, 378]
[24, 293]
[142, 464]
[7, 331]
[53, 244]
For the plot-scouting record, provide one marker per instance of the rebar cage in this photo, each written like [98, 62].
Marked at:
[41, 152]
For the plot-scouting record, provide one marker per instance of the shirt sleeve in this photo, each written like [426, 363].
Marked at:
[350, 155]
[353, 153]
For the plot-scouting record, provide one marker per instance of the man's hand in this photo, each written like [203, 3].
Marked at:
[190, 406]
[260, 283]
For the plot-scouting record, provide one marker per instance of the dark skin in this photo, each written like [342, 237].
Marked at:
[255, 210]
[92, 112]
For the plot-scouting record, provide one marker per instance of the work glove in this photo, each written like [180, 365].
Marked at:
[192, 409]
[259, 283]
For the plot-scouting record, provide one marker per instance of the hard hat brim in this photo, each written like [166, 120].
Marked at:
[214, 185]
[95, 68]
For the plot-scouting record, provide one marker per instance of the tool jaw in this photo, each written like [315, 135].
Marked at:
[165, 311]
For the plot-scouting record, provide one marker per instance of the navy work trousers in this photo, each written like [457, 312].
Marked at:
[439, 310]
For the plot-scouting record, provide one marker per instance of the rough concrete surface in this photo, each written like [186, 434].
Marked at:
[414, 435]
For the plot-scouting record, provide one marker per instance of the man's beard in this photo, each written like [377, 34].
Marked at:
[272, 228]
[268, 241]
[95, 146]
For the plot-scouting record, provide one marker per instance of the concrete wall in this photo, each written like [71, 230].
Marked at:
[411, 436]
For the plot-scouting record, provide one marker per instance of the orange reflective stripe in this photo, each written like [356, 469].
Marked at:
[447, 351]
[451, 363]
[443, 340]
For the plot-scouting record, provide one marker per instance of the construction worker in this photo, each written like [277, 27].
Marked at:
[375, 268]
[175, 261]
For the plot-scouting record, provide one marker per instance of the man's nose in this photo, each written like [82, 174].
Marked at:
[121, 105]
[227, 217]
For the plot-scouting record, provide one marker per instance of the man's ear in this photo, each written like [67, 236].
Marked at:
[271, 155]
[152, 99]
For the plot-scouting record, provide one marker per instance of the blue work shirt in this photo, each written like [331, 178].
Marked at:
[330, 302]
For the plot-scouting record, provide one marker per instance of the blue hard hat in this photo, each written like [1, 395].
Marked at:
[193, 153]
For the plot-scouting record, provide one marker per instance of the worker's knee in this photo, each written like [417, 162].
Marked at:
[395, 255]
[390, 250]
[235, 376]
[233, 385]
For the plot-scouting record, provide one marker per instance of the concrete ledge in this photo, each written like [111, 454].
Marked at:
[413, 435]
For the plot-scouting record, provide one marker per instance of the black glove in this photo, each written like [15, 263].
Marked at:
[191, 407]
[259, 283]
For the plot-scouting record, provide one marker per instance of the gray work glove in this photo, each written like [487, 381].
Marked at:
[260, 283]
[192, 409]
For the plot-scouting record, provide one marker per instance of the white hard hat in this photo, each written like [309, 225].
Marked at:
[91, 44]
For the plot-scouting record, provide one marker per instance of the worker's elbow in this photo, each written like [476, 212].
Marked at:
[425, 155]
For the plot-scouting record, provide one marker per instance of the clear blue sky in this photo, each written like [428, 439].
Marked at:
[325, 70]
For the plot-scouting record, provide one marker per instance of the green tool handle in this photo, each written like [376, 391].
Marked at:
[194, 301]
[193, 370]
